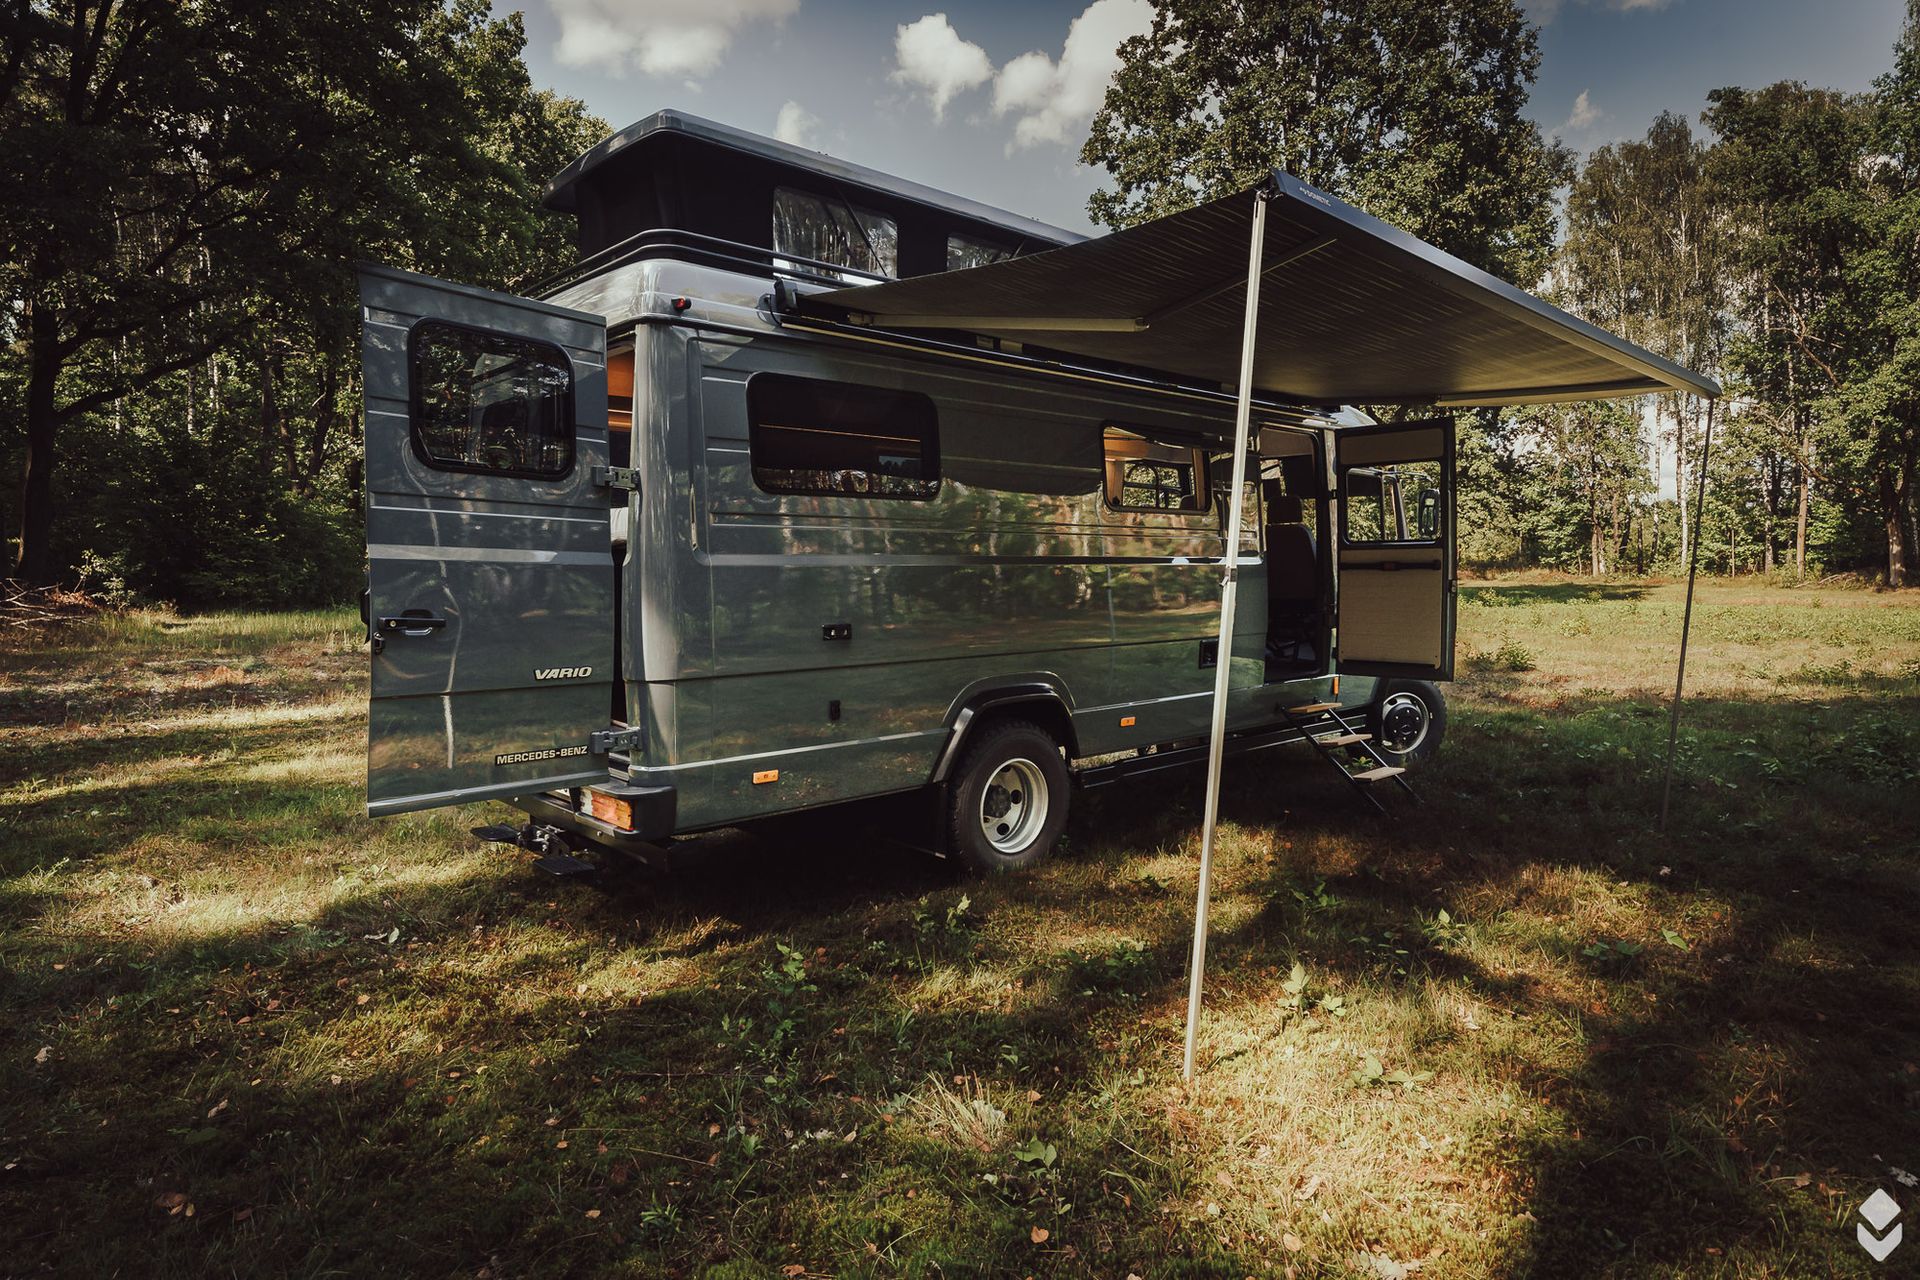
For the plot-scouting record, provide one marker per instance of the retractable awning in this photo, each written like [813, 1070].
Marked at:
[1351, 311]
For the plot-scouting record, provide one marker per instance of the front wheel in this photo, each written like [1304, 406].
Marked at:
[1008, 800]
[1408, 721]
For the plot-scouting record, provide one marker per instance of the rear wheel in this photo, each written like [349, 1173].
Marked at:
[1408, 721]
[1008, 800]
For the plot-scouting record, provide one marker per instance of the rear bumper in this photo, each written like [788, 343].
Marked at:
[654, 810]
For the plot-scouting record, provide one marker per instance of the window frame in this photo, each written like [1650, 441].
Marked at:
[929, 443]
[1197, 461]
[1398, 512]
[416, 406]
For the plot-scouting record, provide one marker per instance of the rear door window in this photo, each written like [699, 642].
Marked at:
[490, 402]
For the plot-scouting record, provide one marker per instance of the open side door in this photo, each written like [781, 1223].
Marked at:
[490, 573]
[1395, 525]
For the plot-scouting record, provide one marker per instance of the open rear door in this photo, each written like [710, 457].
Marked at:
[1395, 606]
[490, 573]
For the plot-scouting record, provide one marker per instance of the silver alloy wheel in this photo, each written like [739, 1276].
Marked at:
[1403, 720]
[1013, 805]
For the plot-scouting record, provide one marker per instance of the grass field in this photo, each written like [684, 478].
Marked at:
[246, 1031]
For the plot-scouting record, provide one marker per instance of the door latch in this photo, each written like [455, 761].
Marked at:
[617, 478]
[606, 741]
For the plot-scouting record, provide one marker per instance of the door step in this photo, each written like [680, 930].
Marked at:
[562, 865]
[1322, 725]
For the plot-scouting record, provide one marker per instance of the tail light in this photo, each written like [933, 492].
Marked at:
[612, 810]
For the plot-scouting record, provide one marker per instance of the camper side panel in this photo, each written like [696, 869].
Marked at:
[845, 626]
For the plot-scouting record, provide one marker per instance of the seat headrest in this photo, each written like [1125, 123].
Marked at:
[1284, 509]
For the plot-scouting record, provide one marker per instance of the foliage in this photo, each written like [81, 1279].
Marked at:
[183, 190]
[1412, 111]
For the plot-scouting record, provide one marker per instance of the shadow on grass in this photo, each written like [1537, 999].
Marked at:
[1782, 1041]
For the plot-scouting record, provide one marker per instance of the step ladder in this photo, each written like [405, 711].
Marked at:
[1321, 724]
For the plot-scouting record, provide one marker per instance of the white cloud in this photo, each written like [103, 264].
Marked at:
[795, 124]
[1543, 12]
[929, 55]
[660, 37]
[1584, 116]
[1052, 101]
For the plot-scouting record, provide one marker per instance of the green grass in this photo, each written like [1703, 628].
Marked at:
[248, 1031]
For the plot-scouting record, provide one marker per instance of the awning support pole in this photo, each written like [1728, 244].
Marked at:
[1223, 670]
[1686, 619]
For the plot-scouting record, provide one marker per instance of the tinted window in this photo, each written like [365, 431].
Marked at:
[808, 435]
[831, 230]
[1146, 475]
[492, 403]
[964, 252]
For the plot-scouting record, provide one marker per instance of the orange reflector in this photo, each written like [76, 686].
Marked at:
[611, 810]
[766, 775]
[1126, 722]
[1336, 686]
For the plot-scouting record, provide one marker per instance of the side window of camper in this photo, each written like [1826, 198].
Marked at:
[831, 230]
[490, 403]
[808, 435]
[1391, 504]
[1146, 475]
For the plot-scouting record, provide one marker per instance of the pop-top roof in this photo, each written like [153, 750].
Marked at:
[1352, 310]
[676, 169]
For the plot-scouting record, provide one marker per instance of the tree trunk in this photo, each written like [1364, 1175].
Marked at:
[1593, 531]
[34, 565]
[1893, 508]
[1680, 474]
[1800, 529]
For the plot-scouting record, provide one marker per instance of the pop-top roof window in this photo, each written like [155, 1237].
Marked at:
[830, 229]
[965, 251]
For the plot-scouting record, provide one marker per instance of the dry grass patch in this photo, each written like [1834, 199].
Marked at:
[1460, 1042]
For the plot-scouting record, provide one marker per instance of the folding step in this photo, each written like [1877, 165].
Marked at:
[1312, 709]
[1376, 775]
[563, 865]
[1343, 739]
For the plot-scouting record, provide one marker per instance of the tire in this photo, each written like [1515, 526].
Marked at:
[1007, 800]
[1408, 721]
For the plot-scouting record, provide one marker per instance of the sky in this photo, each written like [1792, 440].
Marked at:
[991, 99]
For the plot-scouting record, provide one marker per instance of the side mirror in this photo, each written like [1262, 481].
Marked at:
[1429, 518]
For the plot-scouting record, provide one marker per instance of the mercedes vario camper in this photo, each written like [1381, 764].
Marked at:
[810, 486]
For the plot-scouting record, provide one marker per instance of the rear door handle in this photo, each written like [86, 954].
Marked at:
[414, 622]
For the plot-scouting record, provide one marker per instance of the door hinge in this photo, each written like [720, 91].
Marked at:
[605, 741]
[617, 478]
